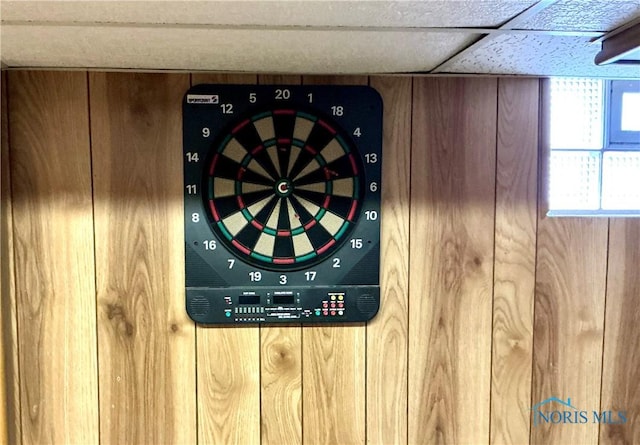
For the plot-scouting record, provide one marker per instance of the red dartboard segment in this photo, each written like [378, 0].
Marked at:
[284, 260]
[354, 166]
[352, 211]
[277, 112]
[240, 126]
[327, 126]
[214, 212]
[326, 247]
[213, 164]
[240, 247]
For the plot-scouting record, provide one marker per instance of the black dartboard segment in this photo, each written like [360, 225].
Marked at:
[282, 203]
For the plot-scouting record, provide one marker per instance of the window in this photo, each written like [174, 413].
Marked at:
[625, 112]
[594, 141]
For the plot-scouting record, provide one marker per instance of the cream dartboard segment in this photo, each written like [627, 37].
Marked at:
[282, 203]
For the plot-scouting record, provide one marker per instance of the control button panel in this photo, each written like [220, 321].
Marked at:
[315, 305]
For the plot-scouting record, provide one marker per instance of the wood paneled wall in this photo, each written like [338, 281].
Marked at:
[488, 306]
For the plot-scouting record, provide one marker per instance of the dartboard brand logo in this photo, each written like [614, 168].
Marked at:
[203, 99]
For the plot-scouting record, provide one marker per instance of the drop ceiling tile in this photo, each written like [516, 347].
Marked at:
[584, 15]
[433, 13]
[537, 54]
[291, 51]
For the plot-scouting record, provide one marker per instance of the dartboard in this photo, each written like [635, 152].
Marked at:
[282, 203]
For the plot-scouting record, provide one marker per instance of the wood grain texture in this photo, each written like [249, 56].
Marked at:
[422, 371]
[515, 259]
[568, 322]
[6, 291]
[228, 362]
[9, 370]
[451, 259]
[281, 362]
[334, 364]
[387, 333]
[621, 373]
[54, 268]
[281, 383]
[146, 341]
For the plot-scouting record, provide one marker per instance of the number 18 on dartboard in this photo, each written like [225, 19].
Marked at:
[282, 188]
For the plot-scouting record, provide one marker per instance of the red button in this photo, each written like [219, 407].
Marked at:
[333, 312]
[325, 305]
[325, 312]
[341, 304]
[333, 305]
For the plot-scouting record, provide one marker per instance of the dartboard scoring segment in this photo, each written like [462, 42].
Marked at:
[282, 203]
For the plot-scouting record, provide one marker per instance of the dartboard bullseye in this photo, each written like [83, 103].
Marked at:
[282, 203]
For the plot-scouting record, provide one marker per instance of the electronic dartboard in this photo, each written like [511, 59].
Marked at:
[282, 203]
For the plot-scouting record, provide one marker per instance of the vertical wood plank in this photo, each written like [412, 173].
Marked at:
[281, 362]
[54, 256]
[568, 323]
[387, 333]
[515, 259]
[9, 375]
[334, 364]
[621, 373]
[281, 382]
[451, 259]
[6, 253]
[228, 362]
[146, 340]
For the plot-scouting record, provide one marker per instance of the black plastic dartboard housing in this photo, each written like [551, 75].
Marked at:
[282, 189]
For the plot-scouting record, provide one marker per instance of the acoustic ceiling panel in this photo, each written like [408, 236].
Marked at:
[435, 13]
[290, 51]
[584, 15]
[538, 55]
